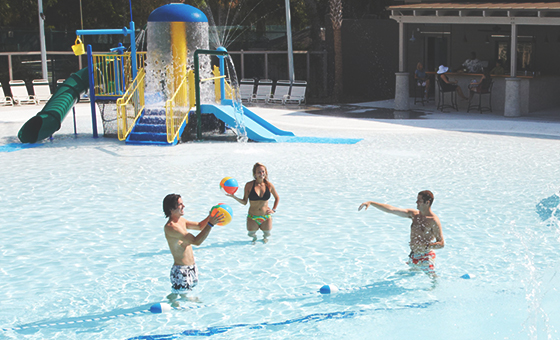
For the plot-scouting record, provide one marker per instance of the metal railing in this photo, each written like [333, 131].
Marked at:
[112, 73]
[130, 106]
[178, 106]
[9, 55]
[266, 54]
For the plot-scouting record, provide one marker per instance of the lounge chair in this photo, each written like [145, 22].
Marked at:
[84, 97]
[20, 95]
[281, 91]
[297, 96]
[264, 91]
[5, 100]
[246, 89]
[42, 90]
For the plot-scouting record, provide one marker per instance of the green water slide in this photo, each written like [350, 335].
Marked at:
[49, 119]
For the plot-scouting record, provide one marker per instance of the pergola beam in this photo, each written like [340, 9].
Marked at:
[547, 14]
[482, 20]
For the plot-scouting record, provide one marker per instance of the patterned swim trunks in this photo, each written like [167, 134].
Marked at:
[424, 261]
[183, 278]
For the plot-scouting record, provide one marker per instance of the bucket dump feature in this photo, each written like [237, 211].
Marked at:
[175, 31]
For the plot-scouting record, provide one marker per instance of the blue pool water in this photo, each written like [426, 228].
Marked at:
[84, 257]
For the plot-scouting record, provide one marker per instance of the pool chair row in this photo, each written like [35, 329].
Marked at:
[262, 91]
[21, 96]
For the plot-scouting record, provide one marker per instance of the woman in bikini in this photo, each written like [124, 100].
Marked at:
[257, 193]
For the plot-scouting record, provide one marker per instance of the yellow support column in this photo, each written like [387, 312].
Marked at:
[217, 90]
[179, 54]
[192, 93]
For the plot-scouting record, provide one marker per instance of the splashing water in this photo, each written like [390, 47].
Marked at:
[236, 101]
[233, 25]
[141, 40]
[160, 67]
[533, 282]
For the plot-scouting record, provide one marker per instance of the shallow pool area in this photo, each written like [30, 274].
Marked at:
[84, 255]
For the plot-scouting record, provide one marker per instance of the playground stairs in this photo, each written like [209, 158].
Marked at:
[150, 129]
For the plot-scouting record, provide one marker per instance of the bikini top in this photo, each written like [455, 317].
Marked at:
[254, 197]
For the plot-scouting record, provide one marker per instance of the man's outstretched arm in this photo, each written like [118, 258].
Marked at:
[388, 209]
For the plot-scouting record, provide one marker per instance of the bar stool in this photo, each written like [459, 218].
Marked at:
[441, 100]
[419, 92]
[480, 91]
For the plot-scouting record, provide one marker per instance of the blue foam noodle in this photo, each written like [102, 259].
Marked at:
[17, 146]
[316, 317]
[317, 140]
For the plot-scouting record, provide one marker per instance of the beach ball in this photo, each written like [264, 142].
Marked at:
[223, 209]
[229, 185]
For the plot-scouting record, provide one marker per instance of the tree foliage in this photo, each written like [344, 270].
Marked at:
[65, 14]
[245, 15]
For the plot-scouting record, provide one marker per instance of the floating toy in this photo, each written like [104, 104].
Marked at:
[229, 185]
[223, 209]
[328, 289]
[160, 308]
[549, 207]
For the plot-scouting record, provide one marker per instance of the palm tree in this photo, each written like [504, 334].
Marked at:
[336, 19]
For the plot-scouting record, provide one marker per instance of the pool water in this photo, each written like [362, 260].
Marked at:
[84, 256]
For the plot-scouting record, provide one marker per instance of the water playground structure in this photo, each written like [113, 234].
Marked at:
[158, 93]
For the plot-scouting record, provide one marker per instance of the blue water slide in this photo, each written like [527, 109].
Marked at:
[253, 116]
[258, 129]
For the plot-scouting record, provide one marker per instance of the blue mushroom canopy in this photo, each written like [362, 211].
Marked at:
[177, 13]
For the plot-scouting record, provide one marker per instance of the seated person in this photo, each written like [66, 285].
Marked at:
[446, 84]
[498, 69]
[472, 65]
[422, 78]
[482, 85]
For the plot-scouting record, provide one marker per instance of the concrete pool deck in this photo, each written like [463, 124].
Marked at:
[344, 120]
[379, 115]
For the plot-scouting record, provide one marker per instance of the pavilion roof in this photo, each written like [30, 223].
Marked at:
[528, 13]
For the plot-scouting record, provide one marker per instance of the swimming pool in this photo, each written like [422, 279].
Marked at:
[83, 252]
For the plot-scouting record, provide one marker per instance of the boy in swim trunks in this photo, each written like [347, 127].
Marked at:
[425, 231]
[184, 273]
